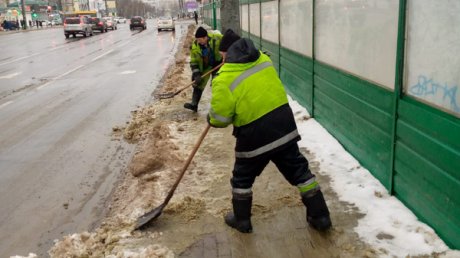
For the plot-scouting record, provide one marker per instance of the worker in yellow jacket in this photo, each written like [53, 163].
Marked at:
[204, 55]
[248, 93]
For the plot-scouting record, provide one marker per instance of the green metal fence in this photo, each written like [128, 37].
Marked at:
[410, 145]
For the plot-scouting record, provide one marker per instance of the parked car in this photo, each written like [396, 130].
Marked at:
[137, 22]
[98, 24]
[110, 23]
[77, 25]
[49, 23]
[57, 21]
[166, 23]
[10, 25]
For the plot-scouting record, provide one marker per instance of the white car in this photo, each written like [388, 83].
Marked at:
[166, 23]
[49, 23]
[77, 25]
[121, 20]
[111, 23]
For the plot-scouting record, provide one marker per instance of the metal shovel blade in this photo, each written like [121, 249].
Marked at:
[149, 216]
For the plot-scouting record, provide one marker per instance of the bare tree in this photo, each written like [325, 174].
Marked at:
[230, 15]
[128, 8]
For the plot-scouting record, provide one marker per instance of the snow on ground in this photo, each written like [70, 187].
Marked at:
[388, 224]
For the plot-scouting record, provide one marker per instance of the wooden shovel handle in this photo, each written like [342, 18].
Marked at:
[170, 95]
[187, 163]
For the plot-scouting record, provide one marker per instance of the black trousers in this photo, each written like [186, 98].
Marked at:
[288, 159]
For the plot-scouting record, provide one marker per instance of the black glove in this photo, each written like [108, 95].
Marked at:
[216, 64]
[196, 78]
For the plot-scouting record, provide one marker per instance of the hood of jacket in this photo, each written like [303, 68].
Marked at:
[242, 51]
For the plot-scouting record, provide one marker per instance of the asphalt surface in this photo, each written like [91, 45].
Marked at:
[59, 100]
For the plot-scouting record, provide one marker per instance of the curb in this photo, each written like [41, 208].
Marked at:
[4, 32]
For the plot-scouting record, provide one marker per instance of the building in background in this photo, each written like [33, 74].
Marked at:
[101, 7]
[191, 6]
[35, 10]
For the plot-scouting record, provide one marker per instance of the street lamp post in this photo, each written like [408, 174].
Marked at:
[24, 18]
[180, 8]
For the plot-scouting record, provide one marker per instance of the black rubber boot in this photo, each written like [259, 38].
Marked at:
[317, 211]
[191, 107]
[240, 218]
[195, 100]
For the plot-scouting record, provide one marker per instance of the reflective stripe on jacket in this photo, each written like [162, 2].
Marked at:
[244, 92]
[250, 95]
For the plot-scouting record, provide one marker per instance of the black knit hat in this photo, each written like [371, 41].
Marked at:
[201, 32]
[228, 39]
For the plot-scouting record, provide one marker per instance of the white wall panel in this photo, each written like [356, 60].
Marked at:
[432, 69]
[254, 20]
[358, 36]
[270, 21]
[244, 18]
[296, 25]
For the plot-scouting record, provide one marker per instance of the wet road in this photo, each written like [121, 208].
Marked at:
[59, 100]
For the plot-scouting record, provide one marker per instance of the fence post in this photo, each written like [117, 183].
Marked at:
[214, 18]
[313, 28]
[399, 75]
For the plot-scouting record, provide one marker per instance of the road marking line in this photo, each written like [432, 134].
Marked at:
[6, 104]
[60, 76]
[17, 59]
[68, 72]
[126, 43]
[106, 53]
[39, 53]
[24, 57]
[9, 76]
[38, 88]
[128, 72]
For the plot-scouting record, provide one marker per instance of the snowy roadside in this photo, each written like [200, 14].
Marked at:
[165, 133]
[387, 224]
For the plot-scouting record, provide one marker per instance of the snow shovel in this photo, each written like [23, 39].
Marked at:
[168, 95]
[155, 213]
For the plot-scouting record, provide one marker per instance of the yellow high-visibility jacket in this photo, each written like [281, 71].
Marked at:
[248, 93]
[196, 59]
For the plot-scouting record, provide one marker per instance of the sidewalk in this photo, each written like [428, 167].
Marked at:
[34, 28]
[367, 222]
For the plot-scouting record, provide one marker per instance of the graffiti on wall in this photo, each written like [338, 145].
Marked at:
[436, 93]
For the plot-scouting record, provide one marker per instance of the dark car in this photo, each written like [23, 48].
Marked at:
[10, 25]
[137, 22]
[98, 24]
